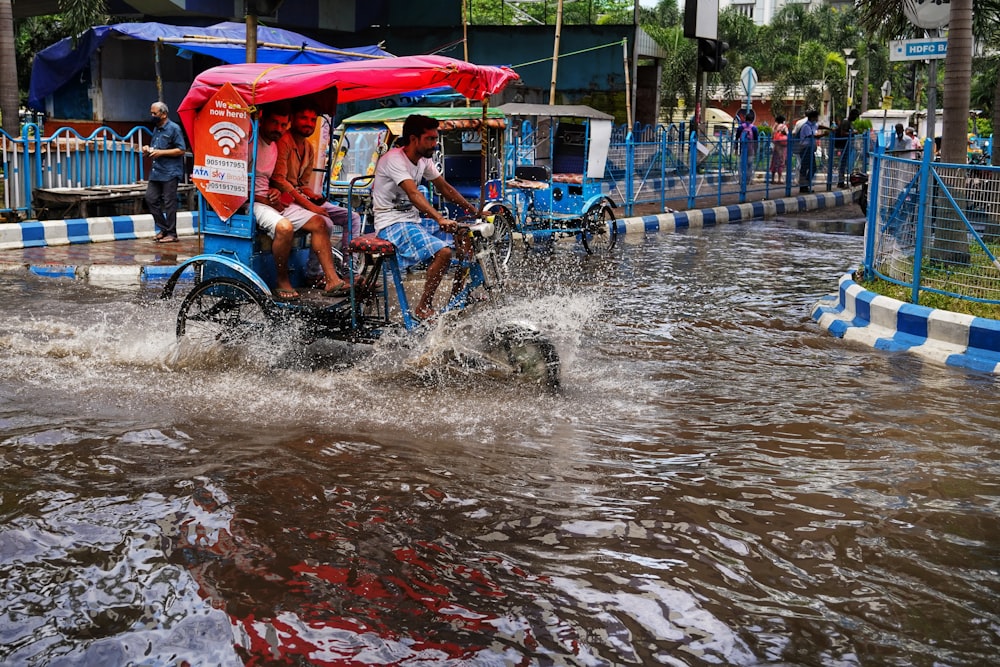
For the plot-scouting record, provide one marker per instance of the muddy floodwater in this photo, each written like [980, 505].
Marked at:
[718, 482]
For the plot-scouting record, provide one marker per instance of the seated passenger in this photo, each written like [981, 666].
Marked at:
[398, 206]
[281, 221]
[294, 169]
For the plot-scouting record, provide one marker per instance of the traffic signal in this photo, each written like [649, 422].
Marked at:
[263, 7]
[710, 58]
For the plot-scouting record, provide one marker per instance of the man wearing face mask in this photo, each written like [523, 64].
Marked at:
[405, 218]
[166, 148]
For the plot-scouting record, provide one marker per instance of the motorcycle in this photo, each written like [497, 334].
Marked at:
[857, 179]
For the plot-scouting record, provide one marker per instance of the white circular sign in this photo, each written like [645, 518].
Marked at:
[748, 77]
[927, 14]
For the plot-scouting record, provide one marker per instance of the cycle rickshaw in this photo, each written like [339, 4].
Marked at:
[233, 303]
[557, 187]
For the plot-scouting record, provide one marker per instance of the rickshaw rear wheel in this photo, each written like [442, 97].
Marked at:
[223, 311]
[600, 230]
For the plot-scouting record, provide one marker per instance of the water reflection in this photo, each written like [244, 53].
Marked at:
[719, 482]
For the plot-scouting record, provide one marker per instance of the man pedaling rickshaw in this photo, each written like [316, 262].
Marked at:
[398, 205]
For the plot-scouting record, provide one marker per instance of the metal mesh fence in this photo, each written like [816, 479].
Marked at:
[935, 227]
[648, 165]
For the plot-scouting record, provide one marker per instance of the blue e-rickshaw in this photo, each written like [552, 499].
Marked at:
[557, 188]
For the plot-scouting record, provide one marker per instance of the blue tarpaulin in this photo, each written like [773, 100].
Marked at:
[59, 63]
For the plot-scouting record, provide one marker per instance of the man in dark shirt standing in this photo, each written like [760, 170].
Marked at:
[166, 148]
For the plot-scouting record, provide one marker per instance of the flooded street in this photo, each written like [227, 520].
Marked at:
[718, 482]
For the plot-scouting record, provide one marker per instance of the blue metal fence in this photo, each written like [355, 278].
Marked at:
[66, 159]
[648, 165]
[934, 227]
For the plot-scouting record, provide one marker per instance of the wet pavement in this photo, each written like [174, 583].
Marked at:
[132, 252]
[145, 252]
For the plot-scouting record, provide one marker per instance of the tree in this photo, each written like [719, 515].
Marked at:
[885, 19]
[8, 70]
[78, 15]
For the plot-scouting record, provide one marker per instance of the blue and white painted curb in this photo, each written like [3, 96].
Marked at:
[127, 227]
[37, 234]
[954, 339]
[720, 215]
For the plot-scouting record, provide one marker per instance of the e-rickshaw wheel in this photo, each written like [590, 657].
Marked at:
[223, 311]
[503, 236]
[600, 231]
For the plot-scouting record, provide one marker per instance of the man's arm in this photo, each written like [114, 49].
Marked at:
[280, 178]
[175, 139]
[164, 152]
[424, 206]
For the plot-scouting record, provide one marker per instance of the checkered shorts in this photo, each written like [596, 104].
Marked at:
[416, 241]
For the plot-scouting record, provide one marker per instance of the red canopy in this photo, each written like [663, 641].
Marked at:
[259, 83]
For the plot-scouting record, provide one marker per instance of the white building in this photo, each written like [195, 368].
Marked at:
[762, 11]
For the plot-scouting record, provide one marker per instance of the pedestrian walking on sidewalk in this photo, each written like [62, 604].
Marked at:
[166, 149]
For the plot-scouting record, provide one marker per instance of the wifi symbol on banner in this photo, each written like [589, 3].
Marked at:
[227, 135]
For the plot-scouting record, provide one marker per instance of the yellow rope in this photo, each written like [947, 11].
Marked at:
[563, 55]
[253, 86]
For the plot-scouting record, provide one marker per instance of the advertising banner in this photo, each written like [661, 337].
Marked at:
[222, 132]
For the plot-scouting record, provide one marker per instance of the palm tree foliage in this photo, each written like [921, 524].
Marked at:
[802, 46]
[544, 12]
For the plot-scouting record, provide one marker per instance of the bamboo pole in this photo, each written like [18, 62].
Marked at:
[251, 40]
[484, 141]
[628, 84]
[269, 45]
[157, 47]
[555, 53]
[465, 40]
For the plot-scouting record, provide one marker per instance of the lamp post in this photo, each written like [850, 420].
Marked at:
[850, 63]
[850, 87]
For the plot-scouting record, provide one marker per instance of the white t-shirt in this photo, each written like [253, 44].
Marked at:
[267, 157]
[389, 201]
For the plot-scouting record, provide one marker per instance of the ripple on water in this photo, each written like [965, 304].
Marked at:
[718, 482]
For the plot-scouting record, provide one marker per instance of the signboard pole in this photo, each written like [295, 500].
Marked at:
[932, 93]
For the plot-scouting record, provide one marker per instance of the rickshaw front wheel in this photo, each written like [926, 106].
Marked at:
[600, 230]
[223, 311]
[503, 236]
[531, 356]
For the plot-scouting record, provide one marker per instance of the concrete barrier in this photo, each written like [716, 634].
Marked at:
[34, 234]
[954, 339]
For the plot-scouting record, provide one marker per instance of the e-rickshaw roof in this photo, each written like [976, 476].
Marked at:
[260, 83]
[450, 118]
[554, 110]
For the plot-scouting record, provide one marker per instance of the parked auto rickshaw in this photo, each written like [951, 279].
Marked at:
[557, 188]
